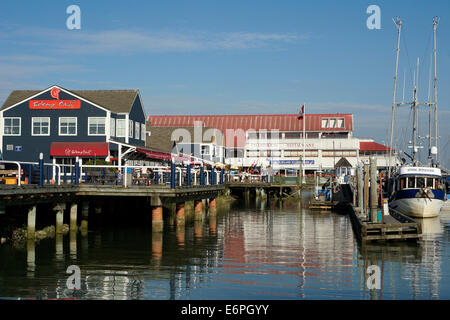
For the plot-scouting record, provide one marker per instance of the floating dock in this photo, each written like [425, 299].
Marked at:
[322, 204]
[394, 227]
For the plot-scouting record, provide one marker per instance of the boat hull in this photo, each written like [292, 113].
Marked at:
[418, 207]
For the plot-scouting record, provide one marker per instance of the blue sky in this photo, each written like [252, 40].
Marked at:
[234, 57]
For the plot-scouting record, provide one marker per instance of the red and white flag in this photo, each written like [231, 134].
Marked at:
[302, 112]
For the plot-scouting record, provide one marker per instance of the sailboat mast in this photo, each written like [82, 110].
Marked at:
[435, 23]
[398, 24]
[415, 105]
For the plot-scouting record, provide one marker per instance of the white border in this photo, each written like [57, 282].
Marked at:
[49, 127]
[76, 126]
[9, 134]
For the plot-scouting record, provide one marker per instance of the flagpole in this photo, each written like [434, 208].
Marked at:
[303, 160]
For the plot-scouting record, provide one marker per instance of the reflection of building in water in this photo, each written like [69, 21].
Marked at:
[302, 244]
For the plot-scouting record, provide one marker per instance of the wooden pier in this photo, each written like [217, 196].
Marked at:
[322, 204]
[394, 227]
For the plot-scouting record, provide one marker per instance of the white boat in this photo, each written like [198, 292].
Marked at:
[418, 192]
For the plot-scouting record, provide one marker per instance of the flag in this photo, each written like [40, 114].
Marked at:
[302, 112]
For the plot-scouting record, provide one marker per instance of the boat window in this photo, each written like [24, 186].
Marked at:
[436, 183]
[430, 182]
[420, 182]
[402, 183]
[411, 182]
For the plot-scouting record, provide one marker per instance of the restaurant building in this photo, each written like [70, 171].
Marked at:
[66, 125]
[276, 140]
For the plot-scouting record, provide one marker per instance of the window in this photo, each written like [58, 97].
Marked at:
[40, 126]
[112, 127]
[324, 123]
[130, 128]
[292, 135]
[420, 182]
[67, 126]
[96, 126]
[143, 131]
[411, 181]
[137, 126]
[430, 182]
[120, 129]
[252, 135]
[402, 183]
[340, 123]
[205, 150]
[332, 123]
[11, 126]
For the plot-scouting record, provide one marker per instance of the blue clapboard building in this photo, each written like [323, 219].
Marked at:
[66, 125]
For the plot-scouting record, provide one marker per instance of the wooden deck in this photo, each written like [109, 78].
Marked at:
[395, 227]
[30, 194]
[321, 205]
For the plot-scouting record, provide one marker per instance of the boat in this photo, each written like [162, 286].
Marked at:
[417, 189]
[418, 192]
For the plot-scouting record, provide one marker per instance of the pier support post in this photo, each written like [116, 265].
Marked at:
[84, 216]
[366, 189]
[180, 213]
[360, 182]
[59, 208]
[31, 227]
[198, 210]
[212, 203]
[373, 189]
[157, 214]
[73, 217]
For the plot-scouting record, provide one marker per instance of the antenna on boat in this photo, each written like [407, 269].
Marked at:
[435, 151]
[398, 24]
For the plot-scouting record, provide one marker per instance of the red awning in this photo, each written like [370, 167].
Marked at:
[79, 149]
[154, 154]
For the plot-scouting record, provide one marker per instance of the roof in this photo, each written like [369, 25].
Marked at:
[282, 122]
[343, 162]
[118, 101]
[372, 146]
[160, 137]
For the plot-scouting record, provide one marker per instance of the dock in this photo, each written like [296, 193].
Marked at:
[322, 204]
[393, 227]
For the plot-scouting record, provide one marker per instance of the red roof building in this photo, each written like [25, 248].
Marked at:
[282, 122]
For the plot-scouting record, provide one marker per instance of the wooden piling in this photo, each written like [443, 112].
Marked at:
[212, 203]
[59, 208]
[31, 226]
[366, 188]
[157, 214]
[73, 217]
[180, 213]
[373, 189]
[198, 210]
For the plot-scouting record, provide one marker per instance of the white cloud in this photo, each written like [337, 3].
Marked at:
[132, 41]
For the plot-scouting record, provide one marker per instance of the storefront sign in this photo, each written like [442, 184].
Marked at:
[55, 104]
[79, 149]
[279, 146]
[292, 162]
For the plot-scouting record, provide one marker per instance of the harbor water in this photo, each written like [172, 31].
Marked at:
[253, 250]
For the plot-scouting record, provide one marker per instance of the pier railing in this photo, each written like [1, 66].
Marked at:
[40, 173]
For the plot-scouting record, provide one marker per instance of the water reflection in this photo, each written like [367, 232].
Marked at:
[279, 250]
